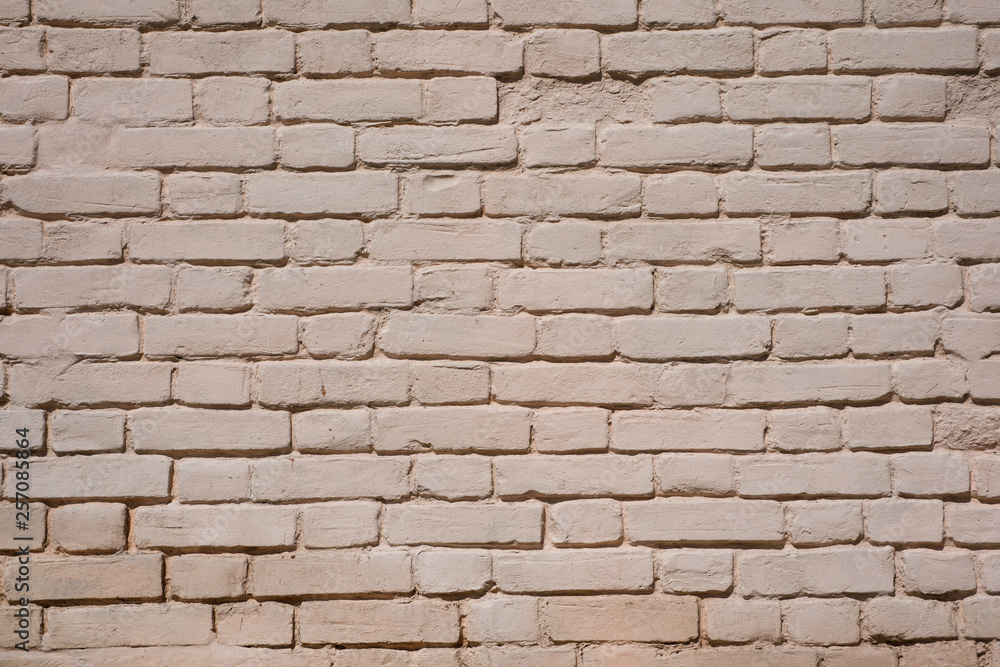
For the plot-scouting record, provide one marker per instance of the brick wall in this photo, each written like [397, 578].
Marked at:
[517, 333]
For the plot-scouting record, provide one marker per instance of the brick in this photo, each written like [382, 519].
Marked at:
[908, 619]
[585, 195]
[201, 577]
[110, 476]
[438, 147]
[81, 335]
[238, 52]
[385, 622]
[570, 430]
[204, 194]
[449, 99]
[895, 13]
[90, 527]
[132, 101]
[876, 335]
[972, 525]
[742, 621]
[324, 241]
[699, 146]
[213, 384]
[792, 51]
[679, 13]
[220, 526]
[445, 240]
[220, 335]
[805, 429]
[563, 54]
[911, 522]
[34, 98]
[840, 287]
[929, 379]
[703, 522]
[891, 427]
[564, 243]
[331, 573]
[314, 289]
[822, 523]
[911, 97]
[713, 52]
[445, 12]
[584, 384]
[233, 12]
[444, 571]
[691, 290]
[21, 49]
[327, 431]
[464, 524]
[797, 337]
[696, 571]
[886, 240]
[983, 292]
[84, 241]
[583, 523]
[217, 97]
[15, 10]
[335, 52]
[796, 194]
[573, 571]
[20, 146]
[442, 194]
[695, 474]
[206, 240]
[989, 571]
[168, 431]
[343, 336]
[29, 626]
[142, 625]
[790, 12]
[981, 614]
[452, 51]
[575, 336]
[583, 476]
[193, 147]
[872, 656]
[452, 429]
[75, 50]
[925, 285]
[681, 194]
[823, 622]
[986, 471]
[940, 145]
[693, 338]
[255, 624]
[914, 50]
[87, 384]
[926, 572]
[212, 480]
[329, 478]
[519, 13]
[815, 475]
[34, 532]
[348, 100]
[70, 287]
[971, 337]
[558, 145]
[686, 242]
[50, 193]
[213, 289]
[502, 620]
[622, 618]
[683, 99]
[319, 14]
[453, 477]
[973, 11]
[567, 290]
[147, 12]
[694, 430]
[435, 383]
[781, 146]
[355, 194]
[806, 98]
[820, 572]
[93, 578]
[489, 656]
[87, 431]
[333, 383]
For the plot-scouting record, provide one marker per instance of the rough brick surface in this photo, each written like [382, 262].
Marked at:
[500, 333]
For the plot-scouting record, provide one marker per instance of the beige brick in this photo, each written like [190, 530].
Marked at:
[435, 383]
[325, 383]
[695, 474]
[843, 287]
[90, 527]
[742, 621]
[908, 619]
[558, 145]
[83, 241]
[575, 336]
[449, 99]
[149, 12]
[446, 12]
[691, 385]
[354, 194]
[101, 477]
[986, 471]
[204, 194]
[343, 336]
[86, 431]
[449, 51]
[824, 622]
[167, 430]
[141, 625]
[209, 384]
[984, 295]
[792, 51]
[973, 11]
[585, 523]
[915, 50]
[801, 193]
[21, 48]
[348, 100]
[622, 618]
[972, 525]
[334, 52]
[452, 429]
[797, 337]
[911, 97]
[237, 52]
[464, 524]
[965, 239]
[704, 522]
[805, 429]
[563, 243]
[931, 474]
[324, 241]
[68, 287]
[224, 100]
[816, 572]
[799, 98]
[574, 571]
[584, 384]
[230, 12]
[96, 193]
[438, 146]
[72, 50]
[871, 656]
[255, 624]
[132, 101]
[18, 626]
[493, 656]
[329, 478]
[83, 335]
[981, 613]
[700, 146]
[688, 430]
[19, 147]
[327, 431]
[935, 573]
[384, 622]
[882, 240]
[925, 285]
[714, 52]
[679, 13]
[318, 14]
[208, 241]
[220, 526]
[973, 195]
[200, 577]
[941, 145]
[815, 475]
[822, 522]
[524, 13]
[212, 480]
[897, 12]
[502, 619]
[36, 98]
[453, 477]
[893, 521]
[682, 194]
[442, 194]
[891, 427]
[683, 99]
[929, 379]
[972, 337]
[447, 571]
[752, 383]
[693, 338]
[796, 146]
[563, 54]
[320, 288]
[542, 290]
[701, 571]
[990, 571]
[107, 578]
[87, 384]
[691, 290]
[585, 195]
[345, 524]
[582, 476]
[32, 536]
[791, 12]
[213, 289]
[570, 430]
[452, 240]
[687, 242]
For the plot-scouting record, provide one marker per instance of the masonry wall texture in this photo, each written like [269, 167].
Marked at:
[507, 333]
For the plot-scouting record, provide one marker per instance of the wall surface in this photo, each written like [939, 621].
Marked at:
[516, 333]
